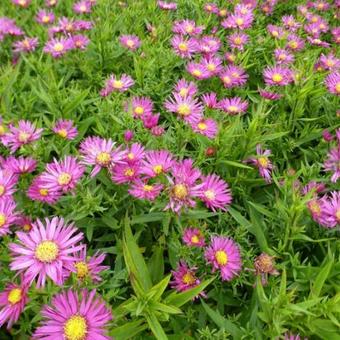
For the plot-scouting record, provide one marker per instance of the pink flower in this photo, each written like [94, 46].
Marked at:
[238, 20]
[238, 40]
[263, 163]
[186, 26]
[82, 7]
[270, 95]
[332, 163]
[224, 255]
[184, 47]
[135, 153]
[142, 190]
[329, 62]
[283, 57]
[7, 215]
[206, 127]
[80, 41]
[100, 153]
[184, 277]
[20, 165]
[131, 42]
[58, 47]
[332, 83]
[150, 121]
[157, 162]
[125, 173]
[22, 3]
[26, 45]
[74, 316]
[141, 106]
[276, 31]
[115, 83]
[25, 133]
[212, 64]
[169, 6]
[8, 181]
[197, 70]
[290, 23]
[233, 105]
[277, 75]
[65, 129]
[45, 251]
[193, 237]
[209, 45]
[233, 76]
[37, 192]
[189, 109]
[63, 175]
[295, 43]
[185, 88]
[211, 8]
[12, 302]
[214, 192]
[51, 3]
[330, 210]
[210, 100]
[44, 17]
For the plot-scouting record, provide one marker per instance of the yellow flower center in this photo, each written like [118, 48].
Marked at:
[197, 73]
[130, 156]
[139, 110]
[64, 178]
[202, 126]
[58, 47]
[82, 8]
[337, 88]
[103, 158]
[62, 133]
[47, 251]
[118, 84]
[2, 130]
[82, 270]
[275, 33]
[2, 220]
[183, 47]
[314, 19]
[237, 41]
[183, 92]
[232, 108]
[27, 227]
[129, 172]
[75, 328]
[2, 190]
[210, 194]
[188, 278]
[293, 44]
[130, 43]
[45, 19]
[158, 169]
[14, 296]
[22, 2]
[180, 191]
[211, 67]
[330, 63]
[184, 109]
[223, 12]
[226, 80]
[23, 137]
[282, 56]
[277, 77]
[221, 257]
[337, 215]
[195, 239]
[43, 192]
[239, 21]
[190, 28]
[263, 161]
[147, 187]
[315, 207]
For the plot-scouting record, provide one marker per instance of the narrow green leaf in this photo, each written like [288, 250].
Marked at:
[129, 330]
[156, 327]
[321, 278]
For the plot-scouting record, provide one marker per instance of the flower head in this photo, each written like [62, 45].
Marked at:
[184, 277]
[38, 192]
[157, 162]
[193, 237]
[58, 47]
[233, 105]
[263, 163]
[186, 26]
[143, 190]
[26, 45]
[332, 163]
[332, 83]
[8, 181]
[233, 76]
[277, 75]
[115, 83]
[131, 42]
[185, 88]
[65, 129]
[7, 215]
[206, 127]
[45, 18]
[184, 47]
[20, 165]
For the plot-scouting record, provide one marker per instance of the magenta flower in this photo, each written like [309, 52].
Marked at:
[233, 105]
[276, 31]
[197, 70]
[150, 121]
[295, 43]
[224, 255]
[45, 251]
[65, 129]
[209, 45]
[7, 215]
[100, 153]
[58, 47]
[211, 8]
[157, 162]
[238, 20]
[329, 62]
[51, 3]
[8, 181]
[82, 7]
[24, 222]
[26, 45]
[141, 106]
[263, 163]
[20, 165]
[74, 316]
[184, 277]
[290, 23]
[193, 237]
[135, 153]
[336, 34]
[212, 64]
[332, 163]
[277, 75]
[332, 83]
[269, 95]
[114, 83]
[238, 40]
[169, 6]
[186, 26]
[22, 3]
[37, 192]
[125, 173]
[283, 57]
[189, 109]
[12, 302]
[233, 76]
[184, 47]
[63, 175]
[131, 42]
[330, 210]
[318, 42]
[44, 17]
[80, 41]
[206, 127]
[185, 88]
[25, 133]
[142, 190]
[313, 187]
[210, 100]
[214, 192]
[87, 267]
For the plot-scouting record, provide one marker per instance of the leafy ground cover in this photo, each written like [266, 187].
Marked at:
[169, 170]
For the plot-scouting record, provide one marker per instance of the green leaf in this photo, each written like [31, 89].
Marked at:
[321, 278]
[235, 164]
[156, 291]
[156, 264]
[128, 330]
[155, 327]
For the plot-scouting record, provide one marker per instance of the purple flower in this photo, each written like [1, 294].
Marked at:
[332, 83]
[263, 163]
[142, 190]
[206, 127]
[210, 100]
[238, 40]
[209, 45]
[26, 45]
[184, 277]
[7, 215]
[65, 129]
[80, 41]
[332, 163]
[184, 47]
[157, 162]
[330, 207]
[193, 237]
[131, 42]
[277, 75]
[198, 70]
[186, 26]
[82, 7]
[44, 17]
[58, 47]
[233, 105]
[185, 88]
[233, 76]
[270, 95]
[115, 83]
[20, 165]
[37, 192]
[283, 57]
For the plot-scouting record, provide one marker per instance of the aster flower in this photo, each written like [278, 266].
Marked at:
[290, 336]
[330, 207]
[315, 208]
[238, 20]
[184, 47]
[336, 34]
[209, 44]
[184, 277]
[141, 106]
[8, 181]
[332, 163]
[135, 153]
[185, 88]
[131, 42]
[20, 165]
[230, 57]
[58, 47]
[283, 57]
[213, 64]
[115, 83]
[74, 316]
[206, 127]
[222, 12]
[45, 250]
[100, 153]
[51, 3]
[276, 31]
[65, 129]
[43, 17]
[22, 3]
[210, 100]
[224, 255]
[125, 173]
[197, 70]
[157, 130]
[169, 6]
[264, 266]
[12, 302]
[233, 105]
[80, 41]
[157, 162]
[82, 7]
[189, 109]
[290, 23]
[329, 62]
[263, 163]
[7, 215]
[63, 175]
[238, 40]
[142, 190]
[150, 120]
[233, 76]
[214, 192]
[186, 26]
[24, 222]
[277, 75]
[26, 45]
[269, 95]
[295, 43]
[87, 267]
[25, 133]
[193, 237]
[313, 29]
[313, 187]
[332, 83]
[2, 128]
[318, 42]
[211, 8]
[38, 192]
